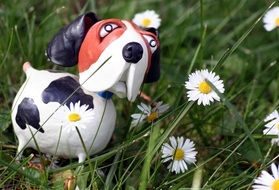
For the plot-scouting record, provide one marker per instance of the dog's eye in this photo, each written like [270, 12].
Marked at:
[152, 42]
[106, 29]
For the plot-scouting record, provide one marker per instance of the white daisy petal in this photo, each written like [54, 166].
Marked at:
[71, 106]
[185, 166]
[176, 168]
[193, 94]
[173, 142]
[163, 108]
[181, 166]
[160, 108]
[272, 126]
[275, 141]
[166, 159]
[199, 101]
[158, 104]
[144, 108]
[166, 145]
[273, 115]
[274, 171]
[260, 187]
[136, 115]
[180, 141]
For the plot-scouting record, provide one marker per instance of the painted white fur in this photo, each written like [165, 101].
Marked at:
[68, 144]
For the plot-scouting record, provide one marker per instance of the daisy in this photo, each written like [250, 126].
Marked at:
[266, 181]
[199, 89]
[149, 114]
[76, 116]
[147, 19]
[271, 19]
[272, 127]
[180, 153]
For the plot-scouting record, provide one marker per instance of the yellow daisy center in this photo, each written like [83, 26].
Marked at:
[204, 87]
[277, 21]
[178, 154]
[275, 185]
[277, 125]
[73, 117]
[152, 116]
[146, 22]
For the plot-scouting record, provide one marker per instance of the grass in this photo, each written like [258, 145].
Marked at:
[224, 36]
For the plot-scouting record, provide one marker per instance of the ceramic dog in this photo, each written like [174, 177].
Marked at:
[68, 116]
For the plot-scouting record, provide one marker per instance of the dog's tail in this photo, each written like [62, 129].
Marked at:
[27, 68]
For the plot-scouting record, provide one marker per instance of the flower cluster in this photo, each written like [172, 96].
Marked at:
[204, 87]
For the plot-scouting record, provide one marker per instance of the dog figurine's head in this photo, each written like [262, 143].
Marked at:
[112, 55]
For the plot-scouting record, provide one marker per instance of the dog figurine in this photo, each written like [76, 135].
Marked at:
[68, 116]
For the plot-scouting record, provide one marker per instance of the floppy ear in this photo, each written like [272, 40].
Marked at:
[153, 73]
[64, 47]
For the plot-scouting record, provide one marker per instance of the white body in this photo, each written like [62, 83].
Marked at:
[56, 139]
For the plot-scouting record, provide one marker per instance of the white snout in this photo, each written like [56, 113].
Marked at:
[135, 78]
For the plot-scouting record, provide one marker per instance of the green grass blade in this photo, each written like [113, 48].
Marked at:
[239, 41]
[145, 173]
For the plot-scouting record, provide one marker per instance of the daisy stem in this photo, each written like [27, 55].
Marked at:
[194, 59]
[225, 160]
[202, 29]
[197, 178]
[57, 145]
[145, 173]
[133, 166]
[40, 153]
[108, 183]
[80, 168]
[109, 153]
[172, 126]
[237, 117]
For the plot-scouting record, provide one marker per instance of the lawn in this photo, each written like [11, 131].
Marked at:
[226, 37]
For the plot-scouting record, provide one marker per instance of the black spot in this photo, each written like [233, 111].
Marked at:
[28, 113]
[62, 89]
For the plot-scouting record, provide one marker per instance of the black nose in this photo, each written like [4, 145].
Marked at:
[132, 52]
